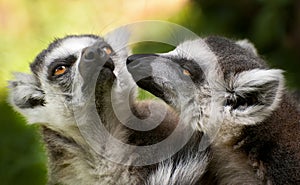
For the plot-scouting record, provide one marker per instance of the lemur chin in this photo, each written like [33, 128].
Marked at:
[223, 88]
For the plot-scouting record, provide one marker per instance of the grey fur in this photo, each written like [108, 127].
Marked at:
[188, 170]
[223, 88]
[48, 102]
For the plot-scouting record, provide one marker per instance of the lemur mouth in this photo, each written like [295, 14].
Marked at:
[109, 64]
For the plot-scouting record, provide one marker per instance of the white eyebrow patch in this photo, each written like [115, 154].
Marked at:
[69, 46]
[197, 50]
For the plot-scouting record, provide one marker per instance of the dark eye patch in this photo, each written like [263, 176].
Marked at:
[67, 62]
[196, 72]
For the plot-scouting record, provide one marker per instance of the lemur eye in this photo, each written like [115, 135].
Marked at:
[107, 50]
[186, 72]
[60, 70]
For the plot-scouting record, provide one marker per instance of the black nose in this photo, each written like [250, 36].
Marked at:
[109, 64]
[138, 56]
[95, 52]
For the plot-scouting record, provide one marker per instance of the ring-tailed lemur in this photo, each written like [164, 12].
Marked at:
[62, 75]
[223, 88]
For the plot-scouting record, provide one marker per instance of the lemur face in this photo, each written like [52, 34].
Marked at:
[211, 81]
[56, 66]
[82, 62]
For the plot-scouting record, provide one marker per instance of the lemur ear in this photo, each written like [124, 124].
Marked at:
[118, 39]
[25, 94]
[246, 44]
[254, 95]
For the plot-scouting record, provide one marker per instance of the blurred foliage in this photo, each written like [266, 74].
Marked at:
[27, 26]
[22, 160]
[272, 25]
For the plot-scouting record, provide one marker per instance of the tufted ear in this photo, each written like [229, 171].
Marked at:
[25, 94]
[254, 94]
[246, 44]
[118, 39]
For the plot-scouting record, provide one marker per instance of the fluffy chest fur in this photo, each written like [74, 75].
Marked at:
[71, 163]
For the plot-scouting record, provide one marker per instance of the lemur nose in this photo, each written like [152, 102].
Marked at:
[89, 55]
[109, 64]
[138, 56]
[95, 57]
[94, 52]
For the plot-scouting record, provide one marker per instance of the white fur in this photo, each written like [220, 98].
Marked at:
[248, 81]
[188, 171]
[85, 166]
[69, 46]
[205, 99]
[198, 51]
[246, 44]
[207, 112]
[205, 106]
[125, 89]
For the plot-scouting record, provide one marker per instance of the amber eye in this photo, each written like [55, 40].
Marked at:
[186, 72]
[107, 50]
[60, 70]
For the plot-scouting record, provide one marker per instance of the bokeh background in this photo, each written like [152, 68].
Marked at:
[27, 26]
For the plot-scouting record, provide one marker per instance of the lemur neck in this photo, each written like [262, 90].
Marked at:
[274, 143]
[276, 131]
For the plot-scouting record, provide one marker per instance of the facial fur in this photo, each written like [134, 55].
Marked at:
[77, 75]
[236, 100]
[225, 79]
[61, 83]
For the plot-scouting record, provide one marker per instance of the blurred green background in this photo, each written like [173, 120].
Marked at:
[27, 26]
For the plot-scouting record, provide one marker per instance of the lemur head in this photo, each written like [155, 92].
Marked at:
[73, 62]
[211, 81]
